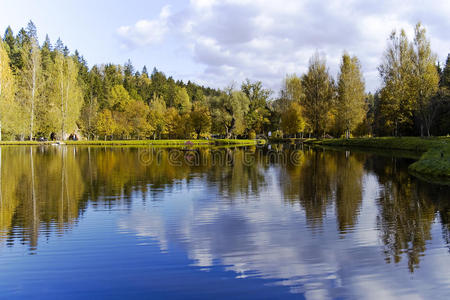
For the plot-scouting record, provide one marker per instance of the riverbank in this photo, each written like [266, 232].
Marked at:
[434, 163]
[141, 142]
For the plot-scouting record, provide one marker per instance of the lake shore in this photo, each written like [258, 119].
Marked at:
[433, 164]
[138, 142]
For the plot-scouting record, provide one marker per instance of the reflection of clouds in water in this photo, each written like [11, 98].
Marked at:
[364, 234]
[146, 224]
[267, 238]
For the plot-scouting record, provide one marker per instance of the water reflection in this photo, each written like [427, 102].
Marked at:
[299, 217]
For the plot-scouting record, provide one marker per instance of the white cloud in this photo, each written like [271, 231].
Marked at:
[146, 32]
[264, 40]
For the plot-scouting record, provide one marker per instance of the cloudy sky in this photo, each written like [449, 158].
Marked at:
[218, 42]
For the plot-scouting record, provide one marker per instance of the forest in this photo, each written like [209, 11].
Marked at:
[47, 91]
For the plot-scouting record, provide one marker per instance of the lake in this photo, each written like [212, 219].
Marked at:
[217, 223]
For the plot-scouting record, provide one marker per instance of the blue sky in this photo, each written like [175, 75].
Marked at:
[218, 42]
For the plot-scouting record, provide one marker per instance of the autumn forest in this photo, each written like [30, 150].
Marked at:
[47, 91]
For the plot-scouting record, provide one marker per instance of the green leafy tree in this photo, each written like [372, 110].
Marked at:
[30, 78]
[200, 119]
[350, 102]
[69, 92]
[292, 120]
[137, 114]
[318, 88]
[257, 115]
[106, 125]
[291, 91]
[8, 108]
[397, 99]
[425, 77]
[118, 98]
[181, 100]
[157, 117]
[229, 110]
[88, 117]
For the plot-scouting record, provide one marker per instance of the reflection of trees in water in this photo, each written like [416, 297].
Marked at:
[45, 189]
[322, 177]
[349, 190]
[407, 209]
[444, 214]
[40, 193]
[407, 206]
[310, 183]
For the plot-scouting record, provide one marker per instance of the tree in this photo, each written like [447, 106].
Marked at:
[31, 76]
[88, 117]
[291, 91]
[200, 118]
[47, 112]
[69, 92]
[177, 125]
[7, 90]
[396, 71]
[137, 114]
[318, 88]
[14, 52]
[350, 102]
[229, 110]
[118, 98]
[292, 120]
[181, 100]
[106, 125]
[425, 77]
[257, 115]
[445, 77]
[157, 116]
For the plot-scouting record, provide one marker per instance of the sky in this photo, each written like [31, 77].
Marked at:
[217, 43]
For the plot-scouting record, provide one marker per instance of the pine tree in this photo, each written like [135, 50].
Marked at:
[445, 77]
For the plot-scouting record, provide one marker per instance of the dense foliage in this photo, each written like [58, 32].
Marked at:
[46, 91]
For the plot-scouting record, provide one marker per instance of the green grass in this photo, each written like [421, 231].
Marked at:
[434, 164]
[142, 142]
[403, 143]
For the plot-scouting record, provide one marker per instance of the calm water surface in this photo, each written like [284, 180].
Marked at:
[94, 222]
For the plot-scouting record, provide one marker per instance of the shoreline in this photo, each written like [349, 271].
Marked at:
[217, 142]
[433, 164]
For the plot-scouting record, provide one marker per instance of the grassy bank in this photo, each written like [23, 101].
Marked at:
[142, 142]
[434, 162]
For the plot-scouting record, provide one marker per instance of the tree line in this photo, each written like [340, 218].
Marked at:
[47, 91]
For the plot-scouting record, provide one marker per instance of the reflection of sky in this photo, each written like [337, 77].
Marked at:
[261, 236]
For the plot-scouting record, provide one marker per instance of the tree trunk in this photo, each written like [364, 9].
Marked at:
[62, 107]
[33, 91]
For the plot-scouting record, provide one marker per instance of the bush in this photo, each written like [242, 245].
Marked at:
[278, 134]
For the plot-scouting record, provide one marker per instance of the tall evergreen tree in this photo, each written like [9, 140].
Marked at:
[445, 77]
